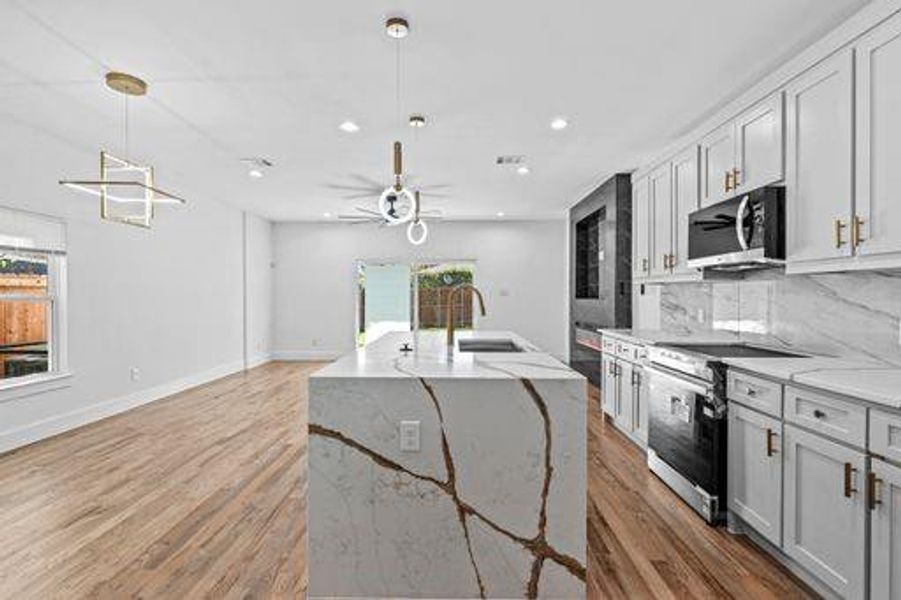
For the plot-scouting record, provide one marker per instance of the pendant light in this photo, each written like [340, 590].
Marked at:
[126, 189]
[397, 196]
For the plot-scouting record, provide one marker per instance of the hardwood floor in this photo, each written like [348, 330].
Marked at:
[202, 495]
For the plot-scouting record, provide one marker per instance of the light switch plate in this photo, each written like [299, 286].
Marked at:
[409, 436]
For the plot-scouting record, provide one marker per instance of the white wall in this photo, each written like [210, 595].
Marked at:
[169, 301]
[521, 269]
[258, 289]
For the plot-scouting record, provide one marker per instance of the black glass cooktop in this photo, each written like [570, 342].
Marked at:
[734, 351]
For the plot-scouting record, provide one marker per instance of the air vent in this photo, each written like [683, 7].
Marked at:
[257, 162]
[510, 159]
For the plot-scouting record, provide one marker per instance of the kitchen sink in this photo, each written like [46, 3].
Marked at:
[487, 345]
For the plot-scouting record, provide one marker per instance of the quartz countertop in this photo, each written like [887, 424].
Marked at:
[872, 382]
[430, 359]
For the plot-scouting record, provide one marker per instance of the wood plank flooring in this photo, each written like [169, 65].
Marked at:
[202, 495]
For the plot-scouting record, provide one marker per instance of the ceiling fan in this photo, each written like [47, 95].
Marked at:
[397, 203]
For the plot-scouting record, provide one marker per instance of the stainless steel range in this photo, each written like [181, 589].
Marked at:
[687, 419]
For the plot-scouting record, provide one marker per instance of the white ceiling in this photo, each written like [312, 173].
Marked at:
[236, 78]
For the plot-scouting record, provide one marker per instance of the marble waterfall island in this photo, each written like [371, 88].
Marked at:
[491, 504]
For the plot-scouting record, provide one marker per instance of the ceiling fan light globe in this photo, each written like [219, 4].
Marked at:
[385, 207]
[414, 237]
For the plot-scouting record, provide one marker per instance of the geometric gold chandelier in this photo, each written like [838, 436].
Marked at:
[126, 189]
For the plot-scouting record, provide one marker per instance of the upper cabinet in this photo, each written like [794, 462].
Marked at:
[745, 153]
[686, 197]
[641, 228]
[717, 162]
[876, 226]
[661, 203]
[759, 155]
[819, 180]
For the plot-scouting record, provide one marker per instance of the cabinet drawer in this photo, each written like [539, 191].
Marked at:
[608, 344]
[755, 392]
[885, 435]
[838, 419]
[630, 352]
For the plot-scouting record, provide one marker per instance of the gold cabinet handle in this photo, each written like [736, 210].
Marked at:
[644, 265]
[728, 181]
[770, 449]
[672, 262]
[872, 491]
[849, 476]
[838, 226]
[735, 178]
[856, 238]
[666, 261]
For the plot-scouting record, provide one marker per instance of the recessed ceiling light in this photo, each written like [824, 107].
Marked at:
[397, 27]
[500, 214]
[523, 170]
[559, 123]
[349, 127]
[417, 121]
[255, 173]
[327, 215]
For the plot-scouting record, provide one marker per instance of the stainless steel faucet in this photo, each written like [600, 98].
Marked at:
[450, 310]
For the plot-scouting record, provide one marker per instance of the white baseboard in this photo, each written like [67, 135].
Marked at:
[57, 424]
[305, 355]
[257, 360]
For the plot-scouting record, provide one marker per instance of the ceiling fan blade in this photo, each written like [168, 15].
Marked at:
[360, 195]
[354, 188]
[368, 211]
[368, 181]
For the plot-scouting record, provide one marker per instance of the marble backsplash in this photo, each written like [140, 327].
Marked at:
[854, 314]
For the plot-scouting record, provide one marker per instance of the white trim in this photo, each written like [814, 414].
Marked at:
[307, 355]
[257, 360]
[33, 432]
[30, 385]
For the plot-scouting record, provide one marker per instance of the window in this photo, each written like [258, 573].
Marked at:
[32, 297]
[403, 296]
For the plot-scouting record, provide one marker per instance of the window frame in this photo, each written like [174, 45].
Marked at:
[56, 300]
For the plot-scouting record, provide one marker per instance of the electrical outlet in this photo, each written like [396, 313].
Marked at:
[701, 315]
[135, 373]
[409, 436]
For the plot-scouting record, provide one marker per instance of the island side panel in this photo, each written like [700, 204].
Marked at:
[474, 513]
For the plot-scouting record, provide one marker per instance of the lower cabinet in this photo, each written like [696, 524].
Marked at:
[622, 416]
[623, 398]
[609, 383]
[885, 533]
[755, 471]
[824, 510]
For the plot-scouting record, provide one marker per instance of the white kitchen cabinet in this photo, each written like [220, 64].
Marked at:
[878, 176]
[717, 162]
[686, 198]
[623, 399]
[820, 160]
[661, 211]
[755, 471]
[759, 146]
[623, 415]
[824, 510]
[609, 381]
[745, 153]
[641, 228]
[639, 405]
[885, 537]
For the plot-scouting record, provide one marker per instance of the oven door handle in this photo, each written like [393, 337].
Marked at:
[686, 381]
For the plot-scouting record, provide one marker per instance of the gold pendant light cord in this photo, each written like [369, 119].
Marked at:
[125, 136]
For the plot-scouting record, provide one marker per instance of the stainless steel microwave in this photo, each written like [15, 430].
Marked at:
[744, 232]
